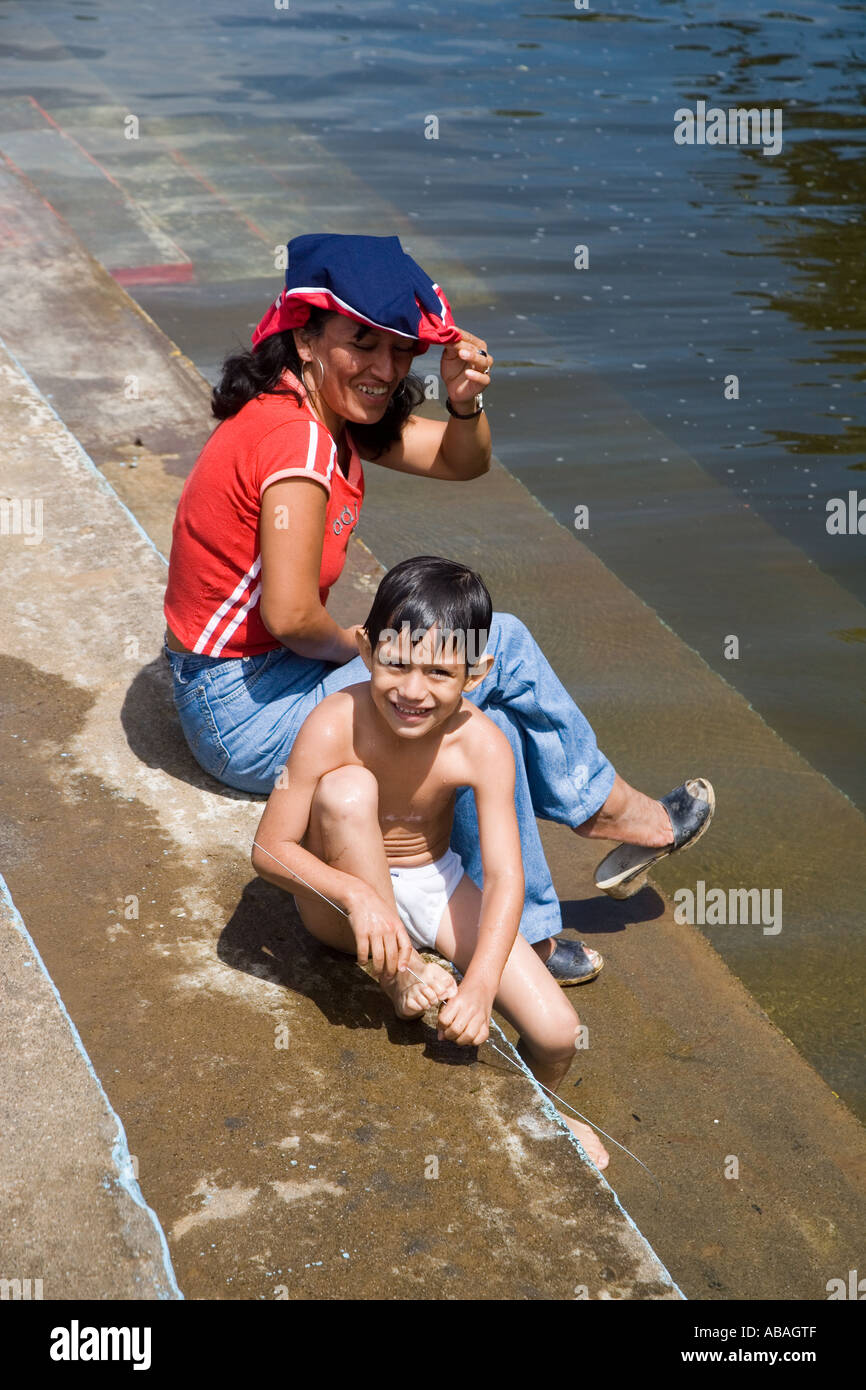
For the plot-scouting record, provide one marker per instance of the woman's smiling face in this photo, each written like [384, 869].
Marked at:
[362, 367]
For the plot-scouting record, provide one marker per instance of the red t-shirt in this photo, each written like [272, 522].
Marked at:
[214, 576]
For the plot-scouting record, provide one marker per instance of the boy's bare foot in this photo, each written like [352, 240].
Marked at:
[412, 997]
[589, 1141]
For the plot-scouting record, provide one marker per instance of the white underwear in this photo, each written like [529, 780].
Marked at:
[421, 894]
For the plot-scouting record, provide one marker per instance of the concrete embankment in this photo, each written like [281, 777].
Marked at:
[291, 1135]
[258, 1159]
[684, 1066]
[75, 1224]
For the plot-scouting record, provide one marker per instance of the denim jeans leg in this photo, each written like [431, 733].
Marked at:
[541, 915]
[569, 778]
[561, 774]
[240, 717]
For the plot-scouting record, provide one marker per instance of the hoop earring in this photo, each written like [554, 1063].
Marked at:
[304, 375]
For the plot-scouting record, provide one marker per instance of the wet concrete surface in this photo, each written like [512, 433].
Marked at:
[74, 1224]
[226, 189]
[694, 1071]
[145, 445]
[684, 1066]
[292, 1136]
[662, 715]
[114, 367]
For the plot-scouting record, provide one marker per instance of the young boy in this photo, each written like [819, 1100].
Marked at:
[363, 814]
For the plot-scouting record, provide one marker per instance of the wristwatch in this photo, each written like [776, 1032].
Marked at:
[479, 406]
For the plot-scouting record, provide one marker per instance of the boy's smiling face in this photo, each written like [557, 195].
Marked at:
[418, 687]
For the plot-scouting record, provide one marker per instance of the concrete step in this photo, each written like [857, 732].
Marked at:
[684, 1066]
[182, 193]
[75, 1224]
[226, 199]
[295, 1139]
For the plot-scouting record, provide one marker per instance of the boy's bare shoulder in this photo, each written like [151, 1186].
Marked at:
[332, 721]
[481, 741]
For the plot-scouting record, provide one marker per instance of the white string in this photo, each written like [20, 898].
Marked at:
[560, 1100]
[544, 1088]
[591, 1123]
[298, 876]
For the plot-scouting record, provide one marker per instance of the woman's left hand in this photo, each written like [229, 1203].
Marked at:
[465, 368]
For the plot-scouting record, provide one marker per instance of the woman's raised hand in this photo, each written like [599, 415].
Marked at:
[465, 368]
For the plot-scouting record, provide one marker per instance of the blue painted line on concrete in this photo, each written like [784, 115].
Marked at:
[120, 1154]
[86, 461]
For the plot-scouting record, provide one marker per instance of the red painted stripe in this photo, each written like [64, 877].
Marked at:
[127, 197]
[175, 155]
[25, 178]
[172, 273]
[206, 183]
[72, 140]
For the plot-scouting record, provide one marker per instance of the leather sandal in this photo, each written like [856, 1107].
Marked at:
[573, 962]
[690, 808]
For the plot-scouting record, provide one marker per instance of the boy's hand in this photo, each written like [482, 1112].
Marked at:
[379, 934]
[465, 1018]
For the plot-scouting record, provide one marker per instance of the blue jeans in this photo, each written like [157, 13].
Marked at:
[240, 717]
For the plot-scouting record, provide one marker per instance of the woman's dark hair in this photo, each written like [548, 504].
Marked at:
[246, 375]
[426, 592]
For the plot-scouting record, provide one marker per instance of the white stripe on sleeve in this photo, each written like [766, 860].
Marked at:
[312, 447]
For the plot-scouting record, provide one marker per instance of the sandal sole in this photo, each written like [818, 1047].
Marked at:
[630, 864]
[584, 979]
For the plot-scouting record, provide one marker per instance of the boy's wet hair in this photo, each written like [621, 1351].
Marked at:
[426, 592]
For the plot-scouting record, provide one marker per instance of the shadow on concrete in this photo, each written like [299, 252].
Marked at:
[265, 937]
[154, 734]
[603, 915]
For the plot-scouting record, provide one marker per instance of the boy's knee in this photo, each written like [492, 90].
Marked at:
[562, 1054]
[560, 1042]
[346, 792]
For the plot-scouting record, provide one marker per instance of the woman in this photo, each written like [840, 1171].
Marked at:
[261, 533]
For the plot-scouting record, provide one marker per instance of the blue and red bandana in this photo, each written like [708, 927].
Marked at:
[368, 278]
